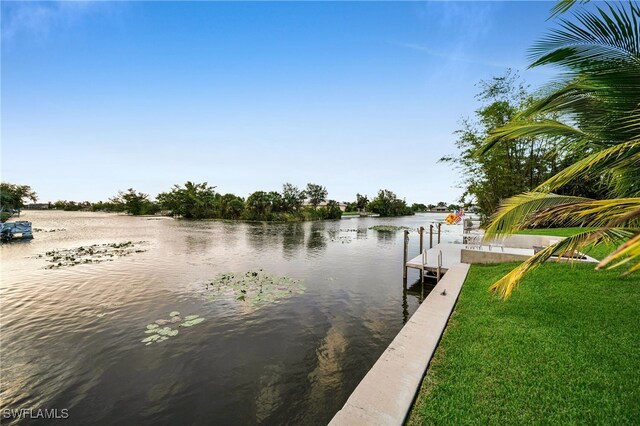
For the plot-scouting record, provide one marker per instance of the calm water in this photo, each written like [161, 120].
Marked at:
[71, 336]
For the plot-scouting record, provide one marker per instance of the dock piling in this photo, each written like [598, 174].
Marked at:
[406, 254]
[421, 232]
[439, 226]
[431, 236]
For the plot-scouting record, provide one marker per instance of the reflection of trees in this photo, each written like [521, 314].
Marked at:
[196, 243]
[292, 238]
[317, 241]
[231, 232]
[263, 236]
[386, 237]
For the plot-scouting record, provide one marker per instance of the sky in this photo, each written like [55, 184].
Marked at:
[98, 97]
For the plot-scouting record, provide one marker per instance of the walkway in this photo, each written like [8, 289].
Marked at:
[385, 395]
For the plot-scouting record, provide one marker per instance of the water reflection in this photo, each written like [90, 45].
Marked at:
[317, 241]
[293, 237]
[264, 237]
[293, 362]
[386, 238]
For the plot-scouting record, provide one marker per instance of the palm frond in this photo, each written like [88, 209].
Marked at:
[608, 213]
[564, 249]
[627, 252]
[612, 160]
[596, 41]
[562, 6]
[515, 213]
[522, 129]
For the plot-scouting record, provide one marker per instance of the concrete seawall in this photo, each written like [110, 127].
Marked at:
[385, 395]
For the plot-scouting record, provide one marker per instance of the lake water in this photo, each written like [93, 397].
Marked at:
[71, 337]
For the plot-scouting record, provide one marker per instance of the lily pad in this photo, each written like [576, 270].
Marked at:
[95, 253]
[388, 228]
[192, 322]
[167, 331]
[160, 334]
[151, 338]
[254, 288]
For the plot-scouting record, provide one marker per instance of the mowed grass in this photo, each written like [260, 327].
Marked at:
[599, 252]
[564, 349]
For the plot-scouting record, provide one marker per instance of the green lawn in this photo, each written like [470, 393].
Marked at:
[564, 349]
[598, 252]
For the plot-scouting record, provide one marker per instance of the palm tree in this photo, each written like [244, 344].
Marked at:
[593, 110]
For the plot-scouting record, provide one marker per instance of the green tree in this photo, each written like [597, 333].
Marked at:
[134, 202]
[316, 194]
[333, 210]
[512, 167]
[277, 202]
[105, 207]
[193, 201]
[293, 198]
[386, 203]
[259, 206]
[229, 206]
[417, 207]
[593, 110]
[13, 197]
[362, 201]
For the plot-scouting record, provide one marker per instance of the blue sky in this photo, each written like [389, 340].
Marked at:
[99, 97]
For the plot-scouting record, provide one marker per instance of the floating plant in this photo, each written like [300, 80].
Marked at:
[344, 239]
[357, 230]
[95, 253]
[159, 334]
[338, 235]
[48, 230]
[253, 288]
[191, 320]
[388, 228]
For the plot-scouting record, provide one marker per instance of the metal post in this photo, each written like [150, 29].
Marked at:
[439, 226]
[406, 252]
[431, 236]
[421, 231]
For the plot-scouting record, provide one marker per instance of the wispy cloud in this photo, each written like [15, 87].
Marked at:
[457, 56]
[40, 19]
[457, 29]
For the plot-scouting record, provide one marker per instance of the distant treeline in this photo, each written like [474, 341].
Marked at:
[201, 201]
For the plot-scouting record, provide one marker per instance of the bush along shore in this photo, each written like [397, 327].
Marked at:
[202, 201]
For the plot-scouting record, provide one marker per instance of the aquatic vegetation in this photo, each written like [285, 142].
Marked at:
[345, 236]
[253, 288]
[344, 239]
[95, 253]
[357, 230]
[191, 320]
[388, 228]
[48, 230]
[159, 334]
